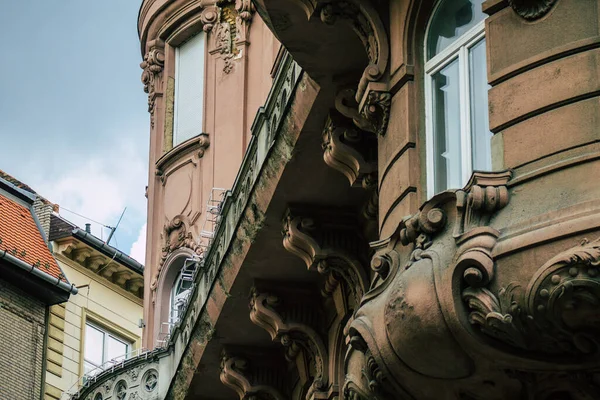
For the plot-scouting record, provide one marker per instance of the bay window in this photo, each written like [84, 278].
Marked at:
[458, 135]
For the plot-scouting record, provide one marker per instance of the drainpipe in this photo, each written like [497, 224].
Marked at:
[70, 288]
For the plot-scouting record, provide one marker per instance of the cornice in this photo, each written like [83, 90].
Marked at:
[157, 18]
[67, 262]
[198, 143]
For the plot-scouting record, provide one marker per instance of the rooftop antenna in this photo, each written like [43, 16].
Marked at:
[113, 229]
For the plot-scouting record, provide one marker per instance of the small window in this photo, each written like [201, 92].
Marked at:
[189, 89]
[458, 135]
[179, 295]
[102, 346]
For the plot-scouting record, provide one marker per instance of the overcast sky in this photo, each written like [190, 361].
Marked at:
[73, 118]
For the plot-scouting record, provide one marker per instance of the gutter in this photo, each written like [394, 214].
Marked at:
[69, 288]
[109, 250]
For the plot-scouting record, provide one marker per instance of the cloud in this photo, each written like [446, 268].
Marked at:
[99, 188]
[138, 248]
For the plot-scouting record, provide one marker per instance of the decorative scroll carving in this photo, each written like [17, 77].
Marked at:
[366, 23]
[231, 31]
[237, 374]
[294, 336]
[153, 64]
[209, 17]
[376, 111]
[531, 9]
[485, 194]
[332, 247]
[351, 152]
[176, 234]
[364, 378]
[245, 10]
[557, 314]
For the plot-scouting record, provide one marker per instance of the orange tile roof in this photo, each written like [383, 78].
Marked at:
[21, 237]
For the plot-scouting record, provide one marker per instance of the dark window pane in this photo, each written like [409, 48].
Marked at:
[452, 19]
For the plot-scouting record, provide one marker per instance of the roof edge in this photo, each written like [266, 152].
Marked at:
[108, 250]
[67, 287]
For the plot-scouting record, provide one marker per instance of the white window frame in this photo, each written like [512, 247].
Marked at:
[177, 140]
[173, 298]
[458, 49]
[107, 334]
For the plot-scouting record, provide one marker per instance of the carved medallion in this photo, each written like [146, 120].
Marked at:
[531, 9]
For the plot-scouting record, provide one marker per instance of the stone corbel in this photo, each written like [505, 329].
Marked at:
[331, 245]
[81, 254]
[367, 24]
[96, 261]
[237, 373]
[295, 336]
[153, 65]
[484, 195]
[349, 151]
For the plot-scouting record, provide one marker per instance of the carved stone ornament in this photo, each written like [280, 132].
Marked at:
[176, 234]
[484, 195]
[121, 390]
[293, 335]
[209, 17]
[366, 23]
[374, 114]
[348, 150]
[558, 313]
[153, 65]
[377, 111]
[236, 373]
[331, 247]
[230, 30]
[531, 9]
[150, 380]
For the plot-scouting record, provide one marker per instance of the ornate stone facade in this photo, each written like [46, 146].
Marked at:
[335, 274]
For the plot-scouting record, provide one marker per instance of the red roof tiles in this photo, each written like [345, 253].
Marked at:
[21, 237]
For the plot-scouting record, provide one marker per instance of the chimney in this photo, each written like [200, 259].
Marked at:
[88, 228]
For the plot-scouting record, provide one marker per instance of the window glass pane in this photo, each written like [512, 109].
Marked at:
[446, 127]
[115, 348]
[94, 345]
[189, 89]
[480, 133]
[452, 19]
[88, 367]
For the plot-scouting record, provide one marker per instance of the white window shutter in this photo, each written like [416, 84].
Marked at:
[189, 89]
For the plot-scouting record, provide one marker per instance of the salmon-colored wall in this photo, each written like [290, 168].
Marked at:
[237, 81]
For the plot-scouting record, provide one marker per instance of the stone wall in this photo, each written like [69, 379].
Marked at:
[22, 323]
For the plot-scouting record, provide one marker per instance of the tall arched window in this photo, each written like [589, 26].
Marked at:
[458, 135]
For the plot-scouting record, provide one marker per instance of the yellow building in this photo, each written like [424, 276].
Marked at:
[101, 326]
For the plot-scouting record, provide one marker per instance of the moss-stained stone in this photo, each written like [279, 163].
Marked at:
[169, 114]
[245, 233]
